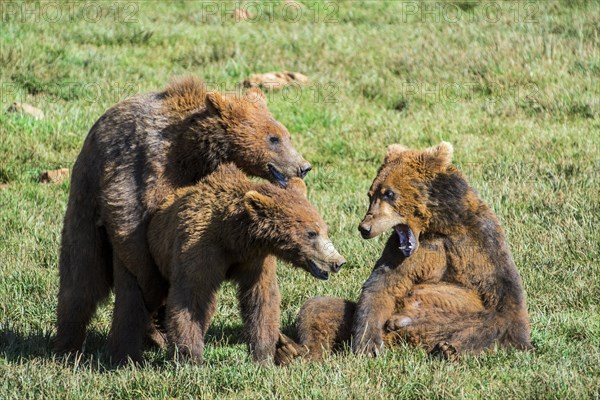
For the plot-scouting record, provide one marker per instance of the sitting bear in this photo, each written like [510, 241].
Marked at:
[136, 153]
[446, 279]
[229, 228]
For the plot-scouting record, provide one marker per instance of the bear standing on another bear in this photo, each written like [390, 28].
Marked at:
[138, 152]
[229, 228]
[446, 279]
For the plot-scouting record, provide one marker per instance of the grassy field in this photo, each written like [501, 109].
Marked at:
[515, 86]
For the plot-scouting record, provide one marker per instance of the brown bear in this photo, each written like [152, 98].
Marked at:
[446, 279]
[229, 228]
[136, 153]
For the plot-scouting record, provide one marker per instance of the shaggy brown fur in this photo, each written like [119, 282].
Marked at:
[423, 318]
[228, 228]
[135, 154]
[446, 279]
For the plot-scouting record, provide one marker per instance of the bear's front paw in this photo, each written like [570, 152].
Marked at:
[369, 345]
[287, 350]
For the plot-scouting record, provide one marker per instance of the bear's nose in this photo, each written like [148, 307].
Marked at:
[365, 230]
[304, 170]
[338, 264]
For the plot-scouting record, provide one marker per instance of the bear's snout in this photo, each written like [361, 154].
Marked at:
[365, 230]
[337, 265]
[304, 169]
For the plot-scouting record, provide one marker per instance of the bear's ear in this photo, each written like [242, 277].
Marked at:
[297, 185]
[440, 156]
[256, 203]
[217, 103]
[393, 152]
[255, 95]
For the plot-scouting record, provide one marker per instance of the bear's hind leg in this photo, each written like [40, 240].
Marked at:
[130, 317]
[444, 317]
[148, 287]
[85, 279]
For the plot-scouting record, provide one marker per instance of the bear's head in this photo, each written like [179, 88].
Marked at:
[286, 222]
[401, 194]
[257, 143]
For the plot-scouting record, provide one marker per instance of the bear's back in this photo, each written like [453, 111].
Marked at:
[192, 212]
[141, 121]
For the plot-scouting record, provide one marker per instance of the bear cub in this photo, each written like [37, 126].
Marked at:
[227, 227]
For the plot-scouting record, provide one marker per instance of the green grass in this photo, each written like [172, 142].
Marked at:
[517, 95]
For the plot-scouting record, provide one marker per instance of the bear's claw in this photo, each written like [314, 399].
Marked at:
[287, 350]
[445, 351]
[371, 346]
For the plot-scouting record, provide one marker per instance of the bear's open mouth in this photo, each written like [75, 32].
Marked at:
[408, 241]
[316, 271]
[277, 176]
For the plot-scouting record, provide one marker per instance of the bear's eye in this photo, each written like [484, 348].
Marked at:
[389, 195]
[311, 234]
[274, 139]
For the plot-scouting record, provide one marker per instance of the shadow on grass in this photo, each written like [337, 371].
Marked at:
[18, 347]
